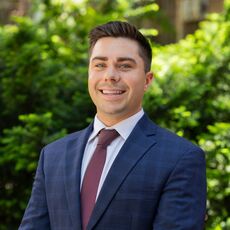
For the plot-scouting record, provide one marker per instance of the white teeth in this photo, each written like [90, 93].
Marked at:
[112, 92]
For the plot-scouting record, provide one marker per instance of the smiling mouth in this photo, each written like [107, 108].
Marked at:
[112, 92]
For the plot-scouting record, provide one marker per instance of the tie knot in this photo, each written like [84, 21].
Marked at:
[106, 136]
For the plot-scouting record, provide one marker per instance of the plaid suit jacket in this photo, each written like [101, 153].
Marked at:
[156, 182]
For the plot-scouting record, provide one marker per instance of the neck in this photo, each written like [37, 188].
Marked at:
[111, 120]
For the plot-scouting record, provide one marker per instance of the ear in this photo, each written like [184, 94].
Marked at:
[149, 76]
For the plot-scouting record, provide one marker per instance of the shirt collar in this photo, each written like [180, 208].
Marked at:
[124, 128]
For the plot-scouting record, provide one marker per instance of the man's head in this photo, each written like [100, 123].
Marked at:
[122, 29]
[119, 71]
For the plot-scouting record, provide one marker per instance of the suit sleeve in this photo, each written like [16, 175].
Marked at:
[183, 202]
[36, 215]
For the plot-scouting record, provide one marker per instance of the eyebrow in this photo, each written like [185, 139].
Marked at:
[101, 58]
[120, 59]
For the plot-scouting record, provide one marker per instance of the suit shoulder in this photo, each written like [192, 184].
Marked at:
[59, 143]
[172, 140]
[166, 139]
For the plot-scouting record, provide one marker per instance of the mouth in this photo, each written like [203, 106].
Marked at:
[111, 91]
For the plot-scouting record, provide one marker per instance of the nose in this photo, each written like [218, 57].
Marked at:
[111, 74]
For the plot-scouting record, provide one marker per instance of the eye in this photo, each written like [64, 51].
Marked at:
[99, 65]
[125, 66]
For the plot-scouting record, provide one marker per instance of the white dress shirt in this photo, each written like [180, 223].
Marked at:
[124, 128]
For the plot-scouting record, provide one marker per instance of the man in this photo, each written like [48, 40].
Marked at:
[150, 179]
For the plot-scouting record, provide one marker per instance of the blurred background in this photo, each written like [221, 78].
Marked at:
[43, 84]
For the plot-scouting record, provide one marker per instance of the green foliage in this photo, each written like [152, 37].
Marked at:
[19, 150]
[191, 97]
[216, 143]
[39, 72]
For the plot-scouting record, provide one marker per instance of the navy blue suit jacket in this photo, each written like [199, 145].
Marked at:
[156, 182]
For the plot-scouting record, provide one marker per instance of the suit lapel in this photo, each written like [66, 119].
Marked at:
[138, 143]
[74, 152]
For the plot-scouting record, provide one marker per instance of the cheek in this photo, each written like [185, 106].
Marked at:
[137, 85]
[91, 81]
[90, 85]
[93, 76]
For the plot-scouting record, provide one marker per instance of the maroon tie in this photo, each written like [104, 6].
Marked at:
[93, 174]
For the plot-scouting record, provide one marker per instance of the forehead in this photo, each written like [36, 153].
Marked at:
[111, 47]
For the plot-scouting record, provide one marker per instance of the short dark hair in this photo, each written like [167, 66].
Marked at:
[126, 30]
